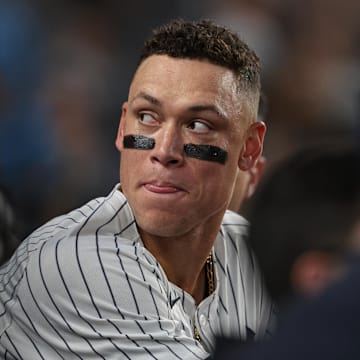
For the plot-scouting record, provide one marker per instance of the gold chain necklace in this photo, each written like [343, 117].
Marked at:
[210, 274]
[210, 284]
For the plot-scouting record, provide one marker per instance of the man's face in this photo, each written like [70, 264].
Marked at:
[178, 102]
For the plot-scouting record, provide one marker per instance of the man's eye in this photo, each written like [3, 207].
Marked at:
[147, 118]
[199, 126]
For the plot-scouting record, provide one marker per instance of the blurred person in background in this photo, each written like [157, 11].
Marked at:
[159, 266]
[305, 220]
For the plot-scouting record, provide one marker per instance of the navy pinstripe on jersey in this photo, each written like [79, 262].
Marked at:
[84, 287]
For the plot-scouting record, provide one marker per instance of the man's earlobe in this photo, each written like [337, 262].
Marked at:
[253, 146]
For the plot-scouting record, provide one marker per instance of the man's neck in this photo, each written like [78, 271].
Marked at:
[183, 258]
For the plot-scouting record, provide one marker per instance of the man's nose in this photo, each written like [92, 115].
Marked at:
[169, 147]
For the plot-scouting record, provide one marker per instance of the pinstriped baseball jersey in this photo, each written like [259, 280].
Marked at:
[83, 286]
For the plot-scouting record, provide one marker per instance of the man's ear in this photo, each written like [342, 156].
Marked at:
[120, 134]
[253, 145]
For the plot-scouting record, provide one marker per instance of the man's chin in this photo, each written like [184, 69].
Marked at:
[162, 228]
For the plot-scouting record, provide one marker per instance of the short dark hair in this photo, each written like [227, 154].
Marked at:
[204, 40]
[308, 202]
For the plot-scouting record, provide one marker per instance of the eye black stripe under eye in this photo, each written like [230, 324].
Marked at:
[206, 152]
[139, 142]
[201, 152]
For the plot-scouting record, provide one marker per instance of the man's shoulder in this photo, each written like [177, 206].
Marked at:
[80, 235]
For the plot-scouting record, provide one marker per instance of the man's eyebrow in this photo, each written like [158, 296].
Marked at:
[193, 108]
[143, 95]
[212, 108]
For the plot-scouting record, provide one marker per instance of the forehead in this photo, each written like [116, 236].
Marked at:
[186, 80]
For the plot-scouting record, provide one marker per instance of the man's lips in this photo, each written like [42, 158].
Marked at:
[162, 188]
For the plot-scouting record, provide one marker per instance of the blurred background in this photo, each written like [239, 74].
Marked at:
[65, 67]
